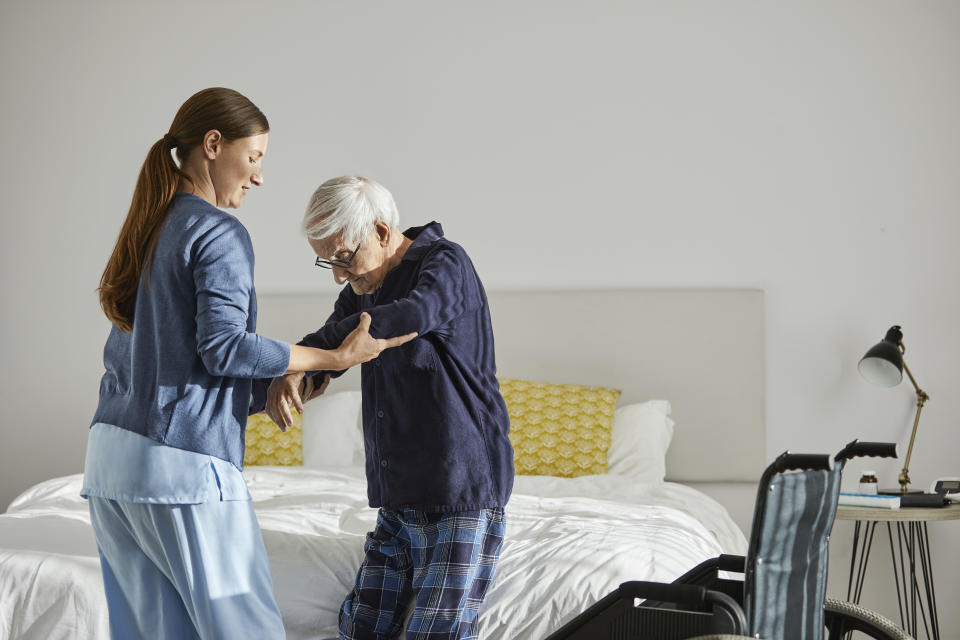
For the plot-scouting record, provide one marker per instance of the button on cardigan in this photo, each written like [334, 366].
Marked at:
[183, 376]
[434, 423]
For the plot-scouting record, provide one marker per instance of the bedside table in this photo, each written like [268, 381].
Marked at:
[909, 549]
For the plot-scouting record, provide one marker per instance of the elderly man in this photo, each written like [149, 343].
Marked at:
[438, 461]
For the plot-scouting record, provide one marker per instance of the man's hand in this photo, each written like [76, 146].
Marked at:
[308, 391]
[305, 389]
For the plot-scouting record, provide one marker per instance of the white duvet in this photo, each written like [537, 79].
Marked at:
[569, 542]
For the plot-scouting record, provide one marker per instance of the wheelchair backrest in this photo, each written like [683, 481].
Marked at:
[786, 573]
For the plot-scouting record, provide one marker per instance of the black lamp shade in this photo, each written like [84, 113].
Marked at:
[883, 363]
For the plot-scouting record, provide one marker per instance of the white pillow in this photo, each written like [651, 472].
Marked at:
[332, 431]
[639, 441]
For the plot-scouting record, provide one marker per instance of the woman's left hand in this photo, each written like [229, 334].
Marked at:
[291, 391]
[284, 393]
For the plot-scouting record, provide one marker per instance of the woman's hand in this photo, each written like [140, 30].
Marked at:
[283, 393]
[360, 346]
[291, 391]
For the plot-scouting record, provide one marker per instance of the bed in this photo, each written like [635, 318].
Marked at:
[569, 540]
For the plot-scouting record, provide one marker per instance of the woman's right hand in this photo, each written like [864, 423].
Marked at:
[359, 346]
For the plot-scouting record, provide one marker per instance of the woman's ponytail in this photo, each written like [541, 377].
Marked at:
[156, 186]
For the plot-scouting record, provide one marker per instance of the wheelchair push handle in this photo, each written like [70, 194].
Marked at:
[787, 461]
[858, 449]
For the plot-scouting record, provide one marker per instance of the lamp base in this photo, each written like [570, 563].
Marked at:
[896, 492]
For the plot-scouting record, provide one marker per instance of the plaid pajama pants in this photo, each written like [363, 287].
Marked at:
[445, 561]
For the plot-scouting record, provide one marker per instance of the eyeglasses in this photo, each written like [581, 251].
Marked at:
[342, 264]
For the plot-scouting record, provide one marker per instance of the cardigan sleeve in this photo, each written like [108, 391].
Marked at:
[223, 281]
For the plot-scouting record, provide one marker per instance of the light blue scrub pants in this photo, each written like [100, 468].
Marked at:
[185, 570]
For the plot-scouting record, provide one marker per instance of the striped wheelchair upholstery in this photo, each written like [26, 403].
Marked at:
[787, 563]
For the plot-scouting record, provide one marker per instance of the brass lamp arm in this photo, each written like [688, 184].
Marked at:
[922, 397]
[920, 392]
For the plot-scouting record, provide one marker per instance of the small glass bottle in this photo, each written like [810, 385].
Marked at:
[868, 483]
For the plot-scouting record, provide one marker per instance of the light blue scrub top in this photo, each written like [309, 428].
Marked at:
[123, 465]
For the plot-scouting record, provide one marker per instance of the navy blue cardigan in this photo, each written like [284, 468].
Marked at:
[434, 423]
[183, 377]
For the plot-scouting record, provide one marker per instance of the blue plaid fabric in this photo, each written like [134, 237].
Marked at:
[443, 561]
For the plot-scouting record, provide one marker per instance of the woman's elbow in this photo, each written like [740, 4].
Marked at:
[221, 356]
[215, 362]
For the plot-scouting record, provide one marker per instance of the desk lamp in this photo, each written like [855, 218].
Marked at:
[884, 365]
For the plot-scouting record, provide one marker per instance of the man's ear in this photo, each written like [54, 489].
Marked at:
[212, 144]
[384, 232]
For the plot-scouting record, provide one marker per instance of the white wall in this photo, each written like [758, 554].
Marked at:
[808, 148]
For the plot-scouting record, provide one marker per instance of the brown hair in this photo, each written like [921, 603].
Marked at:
[225, 110]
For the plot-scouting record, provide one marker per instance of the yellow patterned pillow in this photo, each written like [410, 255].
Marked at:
[559, 429]
[266, 444]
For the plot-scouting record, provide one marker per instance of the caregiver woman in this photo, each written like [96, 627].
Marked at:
[179, 543]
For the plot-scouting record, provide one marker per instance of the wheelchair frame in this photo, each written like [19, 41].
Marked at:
[782, 593]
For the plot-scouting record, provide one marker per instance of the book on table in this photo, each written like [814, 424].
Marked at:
[869, 500]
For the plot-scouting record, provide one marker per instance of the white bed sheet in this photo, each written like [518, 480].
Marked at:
[569, 542]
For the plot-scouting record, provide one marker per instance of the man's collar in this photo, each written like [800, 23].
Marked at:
[422, 238]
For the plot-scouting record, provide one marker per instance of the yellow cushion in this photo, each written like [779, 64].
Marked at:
[559, 429]
[266, 444]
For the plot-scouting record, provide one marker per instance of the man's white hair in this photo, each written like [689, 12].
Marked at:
[350, 205]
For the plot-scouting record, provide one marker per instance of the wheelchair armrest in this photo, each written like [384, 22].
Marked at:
[735, 564]
[705, 573]
[686, 595]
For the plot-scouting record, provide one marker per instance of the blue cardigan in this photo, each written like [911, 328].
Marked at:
[183, 376]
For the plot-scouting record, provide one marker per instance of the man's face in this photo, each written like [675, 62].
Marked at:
[366, 270]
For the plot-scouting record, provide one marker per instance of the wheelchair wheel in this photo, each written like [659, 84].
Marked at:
[842, 617]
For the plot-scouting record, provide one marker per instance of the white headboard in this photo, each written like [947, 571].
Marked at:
[701, 349]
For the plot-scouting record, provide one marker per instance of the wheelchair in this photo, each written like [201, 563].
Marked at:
[781, 595]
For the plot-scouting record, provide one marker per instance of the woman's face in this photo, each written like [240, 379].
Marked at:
[237, 167]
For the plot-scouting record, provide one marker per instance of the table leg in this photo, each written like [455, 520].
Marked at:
[862, 543]
[913, 545]
[926, 564]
